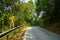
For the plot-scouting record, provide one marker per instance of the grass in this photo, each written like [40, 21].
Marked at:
[11, 34]
[54, 27]
[19, 35]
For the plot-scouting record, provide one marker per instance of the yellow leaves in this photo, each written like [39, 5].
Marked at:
[11, 17]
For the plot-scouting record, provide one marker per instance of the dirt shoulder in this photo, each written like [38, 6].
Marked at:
[19, 35]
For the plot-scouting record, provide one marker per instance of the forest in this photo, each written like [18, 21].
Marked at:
[51, 16]
[43, 13]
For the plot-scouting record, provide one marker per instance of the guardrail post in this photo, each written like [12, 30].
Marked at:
[14, 32]
[7, 36]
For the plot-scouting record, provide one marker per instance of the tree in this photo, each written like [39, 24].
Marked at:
[50, 19]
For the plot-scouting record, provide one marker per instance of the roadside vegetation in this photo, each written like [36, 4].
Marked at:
[43, 13]
[50, 20]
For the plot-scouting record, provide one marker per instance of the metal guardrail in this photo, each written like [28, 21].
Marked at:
[7, 32]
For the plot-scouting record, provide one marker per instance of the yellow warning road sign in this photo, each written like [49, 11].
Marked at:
[11, 17]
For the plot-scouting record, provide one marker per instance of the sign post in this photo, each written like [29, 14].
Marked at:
[11, 18]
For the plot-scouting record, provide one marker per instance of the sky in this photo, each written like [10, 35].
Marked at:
[28, 0]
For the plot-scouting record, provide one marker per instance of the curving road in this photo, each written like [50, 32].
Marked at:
[37, 33]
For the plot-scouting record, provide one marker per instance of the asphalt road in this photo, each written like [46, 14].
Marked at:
[37, 33]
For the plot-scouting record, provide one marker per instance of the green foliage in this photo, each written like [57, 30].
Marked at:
[51, 17]
[21, 10]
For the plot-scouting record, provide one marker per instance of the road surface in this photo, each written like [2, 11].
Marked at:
[37, 33]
